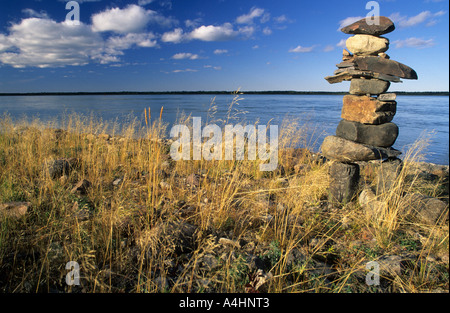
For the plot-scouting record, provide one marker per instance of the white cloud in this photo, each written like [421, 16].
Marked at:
[422, 17]
[265, 18]
[246, 31]
[342, 43]
[214, 33]
[412, 21]
[117, 44]
[131, 19]
[33, 13]
[193, 23]
[175, 36]
[220, 51]
[144, 2]
[182, 56]
[79, 1]
[248, 18]
[267, 31]
[300, 49]
[27, 44]
[413, 42]
[69, 45]
[217, 68]
[348, 21]
[281, 19]
[184, 71]
[328, 48]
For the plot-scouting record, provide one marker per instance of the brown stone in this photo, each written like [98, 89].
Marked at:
[347, 56]
[14, 209]
[385, 66]
[344, 150]
[362, 27]
[374, 86]
[368, 110]
[82, 187]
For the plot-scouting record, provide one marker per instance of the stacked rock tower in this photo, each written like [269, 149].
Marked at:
[366, 131]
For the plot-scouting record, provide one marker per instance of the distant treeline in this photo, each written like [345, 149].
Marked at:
[418, 93]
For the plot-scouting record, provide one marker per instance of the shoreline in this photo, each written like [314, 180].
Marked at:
[121, 205]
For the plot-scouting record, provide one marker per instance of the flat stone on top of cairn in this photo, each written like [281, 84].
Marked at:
[366, 131]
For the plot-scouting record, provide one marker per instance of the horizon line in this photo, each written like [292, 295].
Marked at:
[280, 92]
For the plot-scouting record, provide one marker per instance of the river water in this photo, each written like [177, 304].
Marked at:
[320, 114]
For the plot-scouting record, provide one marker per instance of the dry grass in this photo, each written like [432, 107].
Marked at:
[161, 229]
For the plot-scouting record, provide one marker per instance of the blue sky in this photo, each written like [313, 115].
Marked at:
[169, 45]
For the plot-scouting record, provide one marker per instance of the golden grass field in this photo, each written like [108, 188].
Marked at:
[149, 224]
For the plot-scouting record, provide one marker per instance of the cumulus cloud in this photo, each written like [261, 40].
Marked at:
[413, 42]
[175, 36]
[182, 56]
[131, 19]
[116, 44]
[29, 41]
[27, 44]
[248, 18]
[300, 49]
[214, 33]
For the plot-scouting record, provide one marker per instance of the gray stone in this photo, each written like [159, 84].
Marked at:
[344, 150]
[385, 66]
[344, 182]
[349, 73]
[390, 265]
[387, 175]
[371, 206]
[368, 86]
[61, 167]
[383, 135]
[387, 97]
[427, 210]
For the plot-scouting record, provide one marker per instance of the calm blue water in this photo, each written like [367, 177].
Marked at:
[415, 114]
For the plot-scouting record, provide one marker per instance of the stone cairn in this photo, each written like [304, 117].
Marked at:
[365, 132]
